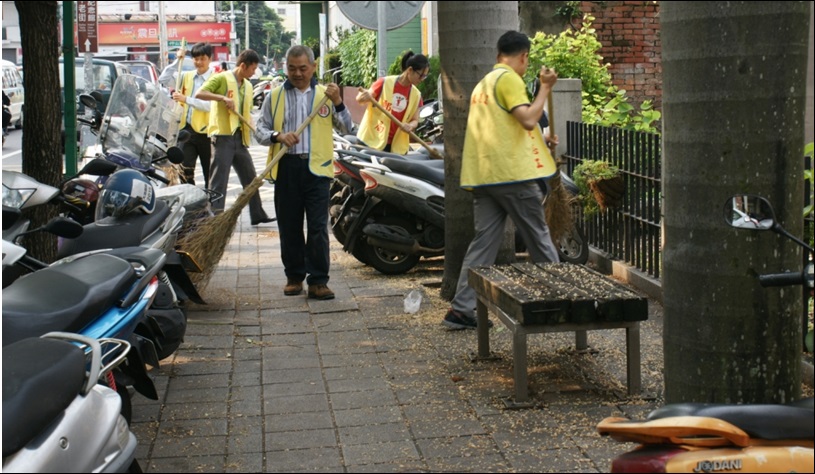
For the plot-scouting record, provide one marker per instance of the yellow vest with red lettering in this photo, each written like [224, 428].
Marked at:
[200, 118]
[321, 148]
[224, 122]
[375, 126]
[497, 148]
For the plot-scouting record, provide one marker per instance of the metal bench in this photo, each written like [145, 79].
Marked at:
[555, 297]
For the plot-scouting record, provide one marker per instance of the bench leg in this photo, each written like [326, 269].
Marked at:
[632, 342]
[581, 340]
[520, 363]
[483, 330]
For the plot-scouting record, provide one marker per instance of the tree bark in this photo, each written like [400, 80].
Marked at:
[42, 155]
[734, 85]
[468, 34]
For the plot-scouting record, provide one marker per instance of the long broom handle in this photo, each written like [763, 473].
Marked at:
[433, 152]
[284, 148]
[182, 52]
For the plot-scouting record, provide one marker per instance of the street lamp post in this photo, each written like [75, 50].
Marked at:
[162, 36]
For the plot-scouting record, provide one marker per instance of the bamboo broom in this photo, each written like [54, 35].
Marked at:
[430, 149]
[558, 202]
[206, 242]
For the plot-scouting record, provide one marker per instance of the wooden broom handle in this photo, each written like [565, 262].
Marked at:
[243, 120]
[284, 148]
[432, 152]
[182, 52]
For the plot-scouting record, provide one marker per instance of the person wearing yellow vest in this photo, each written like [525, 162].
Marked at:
[195, 118]
[503, 158]
[303, 175]
[231, 93]
[399, 96]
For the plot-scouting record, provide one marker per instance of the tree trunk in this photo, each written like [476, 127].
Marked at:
[42, 155]
[468, 34]
[734, 85]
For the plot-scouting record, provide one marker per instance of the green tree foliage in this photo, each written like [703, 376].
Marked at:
[358, 58]
[266, 33]
[575, 54]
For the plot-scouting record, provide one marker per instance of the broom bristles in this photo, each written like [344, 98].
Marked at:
[207, 242]
[558, 209]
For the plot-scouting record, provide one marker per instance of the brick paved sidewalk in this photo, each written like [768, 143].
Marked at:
[266, 382]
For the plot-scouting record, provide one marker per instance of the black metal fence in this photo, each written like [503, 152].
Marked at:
[631, 232]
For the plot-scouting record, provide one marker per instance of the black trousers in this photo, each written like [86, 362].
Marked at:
[199, 146]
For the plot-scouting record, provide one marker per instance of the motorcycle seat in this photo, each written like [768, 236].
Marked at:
[64, 297]
[410, 156]
[431, 171]
[41, 377]
[127, 231]
[760, 421]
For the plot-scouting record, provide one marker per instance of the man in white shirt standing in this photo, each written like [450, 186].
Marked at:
[195, 118]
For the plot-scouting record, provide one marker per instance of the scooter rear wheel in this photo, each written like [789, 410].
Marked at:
[387, 261]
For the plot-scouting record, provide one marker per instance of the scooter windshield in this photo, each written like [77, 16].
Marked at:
[140, 119]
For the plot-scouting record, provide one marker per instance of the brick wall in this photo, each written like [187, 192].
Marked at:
[630, 35]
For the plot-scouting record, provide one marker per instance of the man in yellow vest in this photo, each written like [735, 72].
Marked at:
[503, 157]
[195, 118]
[303, 175]
[231, 93]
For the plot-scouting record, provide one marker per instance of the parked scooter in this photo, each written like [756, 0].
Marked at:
[99, 296]
[165, 324]
[56, 416]
[389, 212]
[702, 437]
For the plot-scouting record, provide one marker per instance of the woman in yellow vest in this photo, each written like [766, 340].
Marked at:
[399, 96]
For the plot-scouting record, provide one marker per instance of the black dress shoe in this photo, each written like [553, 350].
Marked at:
[265, 220]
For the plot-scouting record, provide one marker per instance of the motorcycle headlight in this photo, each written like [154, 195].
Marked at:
[16, 197]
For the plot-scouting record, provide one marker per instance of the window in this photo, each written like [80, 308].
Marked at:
[281, 11]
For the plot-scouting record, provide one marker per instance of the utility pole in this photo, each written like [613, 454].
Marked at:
[162, 36]
[233, 36]
[246, 46]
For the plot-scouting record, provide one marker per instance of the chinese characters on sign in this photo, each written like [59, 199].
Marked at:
[87, 30]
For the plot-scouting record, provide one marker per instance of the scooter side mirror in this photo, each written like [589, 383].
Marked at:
[745, 211]
[183, 136]
[64, 227]
[88, 101]
[98, 167]
[175, 155]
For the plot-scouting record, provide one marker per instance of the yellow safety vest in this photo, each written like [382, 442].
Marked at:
[497, 148]
[321, 148]
[375, 125]
[200, 118]
[224, 122]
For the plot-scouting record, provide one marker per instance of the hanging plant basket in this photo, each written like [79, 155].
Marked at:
[608, 192]
[600, 184]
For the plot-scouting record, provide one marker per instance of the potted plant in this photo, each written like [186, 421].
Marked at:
[601, 185]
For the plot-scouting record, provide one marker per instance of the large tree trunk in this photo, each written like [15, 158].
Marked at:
[468, 34]
[734, 83]
[42, 154]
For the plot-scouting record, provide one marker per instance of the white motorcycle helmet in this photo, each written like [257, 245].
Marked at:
[125, 192]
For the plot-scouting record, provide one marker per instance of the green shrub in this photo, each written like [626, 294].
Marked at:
[357, 53]
[575, 54]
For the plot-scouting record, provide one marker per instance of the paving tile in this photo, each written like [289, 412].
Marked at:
[325, 459]
[367, 416]
[281, 441]
[298, 421]
[388, 451]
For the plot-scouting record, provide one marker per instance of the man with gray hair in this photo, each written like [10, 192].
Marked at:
[303, 175]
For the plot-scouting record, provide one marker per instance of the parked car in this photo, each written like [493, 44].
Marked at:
[104, 76]
[13, 87]
[144, 69]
